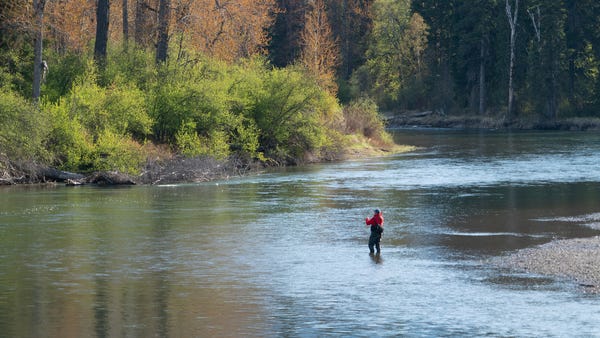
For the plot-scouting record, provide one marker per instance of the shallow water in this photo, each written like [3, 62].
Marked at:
[285, 253]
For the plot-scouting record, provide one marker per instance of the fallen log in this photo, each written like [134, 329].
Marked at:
[51, 174]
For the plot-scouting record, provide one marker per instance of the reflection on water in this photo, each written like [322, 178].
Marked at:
[376, 257]
[285, 253]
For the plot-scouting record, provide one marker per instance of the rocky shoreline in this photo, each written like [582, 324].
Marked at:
[576, 260]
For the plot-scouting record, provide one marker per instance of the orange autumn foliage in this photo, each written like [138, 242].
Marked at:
[225, 29]
[71, 24]
[320, 50]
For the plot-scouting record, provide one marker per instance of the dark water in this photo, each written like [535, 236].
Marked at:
[285, 253]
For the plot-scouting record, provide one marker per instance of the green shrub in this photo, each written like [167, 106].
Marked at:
[196, 93]
[68, 141]
[244, 140]
[117, 152]
[16, 69]
[362, 117]
[62, 74]
[23, 127]
[218, 144]
[289, 110]
[130, 66]
[85, 104]
[119, 109]
[93, 128]
[127, 110]
[204, 108]
[190, 144]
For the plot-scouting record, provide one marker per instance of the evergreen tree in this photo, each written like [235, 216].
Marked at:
[439, 17]
[474, 37]
[546, 51]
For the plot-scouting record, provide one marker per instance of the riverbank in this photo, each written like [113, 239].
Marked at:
[432, 119]
[171, 169]
[576, 260]
[166, 171]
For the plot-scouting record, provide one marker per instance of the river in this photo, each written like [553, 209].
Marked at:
[284, 253]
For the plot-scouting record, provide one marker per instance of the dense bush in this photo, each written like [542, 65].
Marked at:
[196, 93]
[290, 111]
[23, 128]
[362, 117]
[94, 128]
[89, 121]
[131, 66]
[273, 114]
[16, 70]
[117, 152]
[63, 70]
[191, 144]
[68, 141]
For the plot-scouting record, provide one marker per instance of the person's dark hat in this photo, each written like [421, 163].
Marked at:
[376, 211]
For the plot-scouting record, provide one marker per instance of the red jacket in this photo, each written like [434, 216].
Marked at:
[376, 219]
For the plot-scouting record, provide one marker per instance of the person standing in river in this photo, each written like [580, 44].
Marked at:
[376, 223]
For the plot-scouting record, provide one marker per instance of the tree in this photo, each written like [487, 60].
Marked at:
[547, 49]
[395, 54]
[440, 17]
[38, 8]
[319, 49]
[284, 45]
[472, 36]
[164, 16]
[582, 36]
[71, 25]
[512, 21]
[16, 32]
[102, 16]
[226, 29]
[351, 23]
[125, 16]
[145, 23]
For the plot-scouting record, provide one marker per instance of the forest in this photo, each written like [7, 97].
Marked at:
[106, 85]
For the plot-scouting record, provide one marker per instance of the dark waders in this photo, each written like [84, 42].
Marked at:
[375, 238]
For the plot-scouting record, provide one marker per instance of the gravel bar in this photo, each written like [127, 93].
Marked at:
[575, 259]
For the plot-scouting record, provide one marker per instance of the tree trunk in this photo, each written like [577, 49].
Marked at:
[164, 14]
[482, 76]
[139, 24]
[125, 22]
[38, 6]
[512, 21]
[102, 15]
[553, 95]
[346, 40]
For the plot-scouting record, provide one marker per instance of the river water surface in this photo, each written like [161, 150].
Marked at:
[285, 253]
